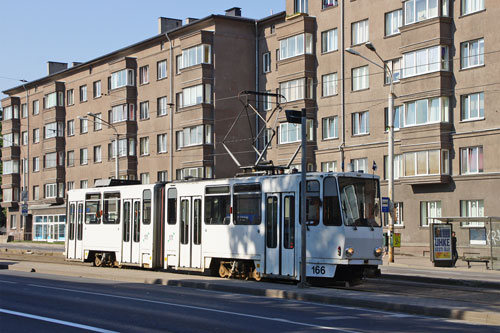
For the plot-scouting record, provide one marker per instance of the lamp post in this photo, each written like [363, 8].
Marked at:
[117, 165]
[390, 168]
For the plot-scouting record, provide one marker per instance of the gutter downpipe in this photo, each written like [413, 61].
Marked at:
[342, 85]
[171, 118]
[257, 86]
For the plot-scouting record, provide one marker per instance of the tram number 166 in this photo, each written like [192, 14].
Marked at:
[326, 270]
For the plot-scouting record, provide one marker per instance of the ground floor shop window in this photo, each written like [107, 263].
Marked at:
[49, 227]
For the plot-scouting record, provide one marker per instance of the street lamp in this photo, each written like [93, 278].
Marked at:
[117, 161]
[390, 119]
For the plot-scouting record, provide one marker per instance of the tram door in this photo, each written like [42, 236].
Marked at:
[280, 234]
[190, 232]
[71, 230]
[131, 232]
[79, 231]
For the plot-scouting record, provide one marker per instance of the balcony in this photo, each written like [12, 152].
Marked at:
[427, 85]
[437, 31]
[56, 113]
[11, 153]
[53, 144]
[11, 125]
[53, 175]
[426, 137]
[298, 65]
[194, 75]
[12, 180]
[127, 166]
[192, 115]
[423, 180]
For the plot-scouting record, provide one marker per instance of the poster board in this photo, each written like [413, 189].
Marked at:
[441, 244]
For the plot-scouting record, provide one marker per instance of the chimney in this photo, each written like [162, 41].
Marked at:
[235, 11]
[166, 24]
[75, 63]
[191, 20]
[55, 67]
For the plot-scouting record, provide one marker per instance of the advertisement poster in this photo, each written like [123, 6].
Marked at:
[442, 242]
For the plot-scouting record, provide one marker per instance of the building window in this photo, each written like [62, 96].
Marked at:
[97, 122]
[473, 106]
[11, 140]
[398, 117]
[36, 164]
[329, 166]
[425, 61]
[193, 136]
[13, 222]
[472, 6]
[97, 89]
[97, 154]
[359, 165]
[161, 143]
[393, 21]
[161, 69]
[395, 67]
[196, 95]
[428, 211]
[70, 97]
[144, 110]
[71, 127]
[329, 83]
[477, 232]
[162, 106]
[145, 178]
[54, 99]
[51, 190]
[24, 110]
[70, 186]
[301, 6]
[289, 133]
[36, 107]
[10, 167]
[471, 160]
[398, 217]
[472, 54]
[71, 158]
[427, 162]
[419, 10]
[329, 3]
[359, 32]
[360, 78]
[266, 62]
[84, 154]
[52, 160]
[196, 172]
[84, 125]
[398, 167]
[296, 45]
[360, 123]
[36, 135]
[200, 54]
[36, 192]
[144, 146]
[297, 89]
[144, 74]
[52, 130]
[162, 176]
[84, 183]
[83, 93]
[123, 112]
[24, 136]
[122, 78]
[427, 111]
[267, 102]
[330, 128]
[329, 41]
[178, 62]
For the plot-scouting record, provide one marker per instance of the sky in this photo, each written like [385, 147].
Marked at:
[33, 32]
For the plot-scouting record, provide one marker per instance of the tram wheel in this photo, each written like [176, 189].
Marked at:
[98, 260]
[256, 275]
[223, 271]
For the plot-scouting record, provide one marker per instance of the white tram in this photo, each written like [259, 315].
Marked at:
[246, 226]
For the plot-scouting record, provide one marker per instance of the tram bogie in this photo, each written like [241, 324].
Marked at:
[246, 227]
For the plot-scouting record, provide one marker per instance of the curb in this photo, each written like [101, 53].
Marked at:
[445, 281]
[478, 317]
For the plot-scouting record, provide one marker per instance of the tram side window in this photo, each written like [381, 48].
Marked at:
[217, 203]
[72, 221]
[313, 202]
[289, 222]
[331, 205]
[246, 202]
[172, 206]
[146, 207]
[93, 208]
[137, 221]
[272, 222]
[111, 214]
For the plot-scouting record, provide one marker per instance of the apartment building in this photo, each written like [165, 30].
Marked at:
[442, 57]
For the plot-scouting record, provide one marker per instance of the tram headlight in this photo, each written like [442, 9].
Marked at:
[378, 251]
[349, 251]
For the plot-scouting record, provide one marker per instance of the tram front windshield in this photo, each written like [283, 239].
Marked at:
[360, 201]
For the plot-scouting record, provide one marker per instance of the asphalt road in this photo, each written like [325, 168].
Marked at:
[43, 303]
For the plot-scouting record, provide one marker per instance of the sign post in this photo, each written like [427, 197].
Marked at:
[24, 209]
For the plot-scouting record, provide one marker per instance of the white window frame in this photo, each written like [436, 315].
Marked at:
[144, 146]
[424, 61]
[395, 67]
[360, 32]
[144, 177]
[330, 128]
[472, 104]
[359, 164]
[71, 127]
[84, 156]
[161, 141]
[83, 93]
[295, 46]
[471, 160]
[195, 95]
[162, 106]
[97, 154]
[472, 53]
[411, 15]
[329, 41]
[122, 78]
[413, 157]
[413, 110]
[84, 125]
[161, 69]
[330, 166]
[329, 3]
[301, 6]
[393, 21]
[122, 112]
[97, 122]
[266, 62]
[196, 55]
[144, 110]
[144, 74]
[429, 209]
[36, 107]
[361, 123]
[97, 88]
[70, 97]
[329, 84]
[51, 191]
[399, 113]
[471, 6]
[290, 133]
[360, 78]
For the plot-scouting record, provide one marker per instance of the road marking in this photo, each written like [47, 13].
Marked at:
[335, 317]
[397, 315]
[2, 281]
[199, 308]
[56, 321]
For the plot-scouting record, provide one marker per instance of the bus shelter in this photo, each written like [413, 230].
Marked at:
[491, 226]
